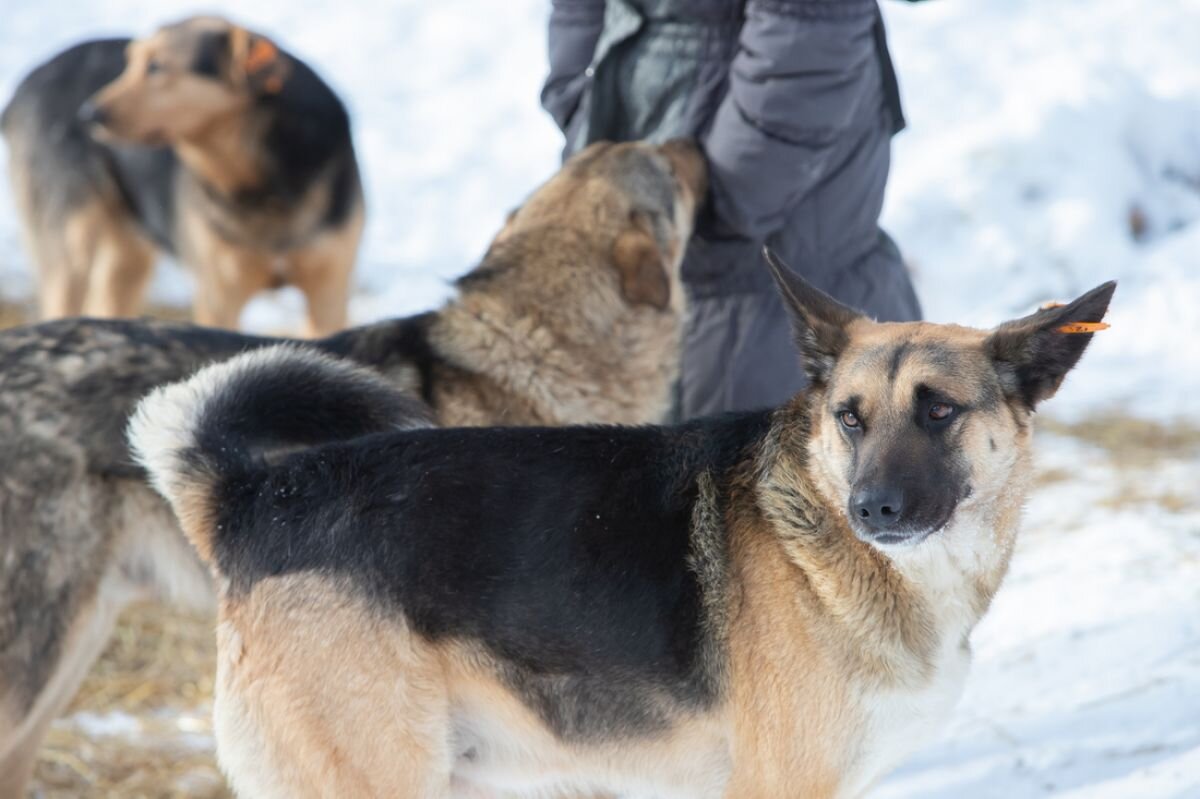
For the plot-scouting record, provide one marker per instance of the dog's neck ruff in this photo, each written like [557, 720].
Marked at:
[544, 370]
[909, 602]
[259, 216]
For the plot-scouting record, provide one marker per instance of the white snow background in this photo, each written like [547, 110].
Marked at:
[1037, 132]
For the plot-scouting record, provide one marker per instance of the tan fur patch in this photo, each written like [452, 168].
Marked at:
[319, 697]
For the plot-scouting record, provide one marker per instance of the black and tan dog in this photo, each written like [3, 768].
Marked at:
[573, 315]
[205, 141]
[759, 605]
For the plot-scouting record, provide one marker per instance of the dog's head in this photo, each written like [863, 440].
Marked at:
[630, 206]
[912, 423]
[184, 79]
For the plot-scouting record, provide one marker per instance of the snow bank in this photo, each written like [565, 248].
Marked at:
[1051, 147]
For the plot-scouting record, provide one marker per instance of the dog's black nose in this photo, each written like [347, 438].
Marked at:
[878, 507]
[91, 114]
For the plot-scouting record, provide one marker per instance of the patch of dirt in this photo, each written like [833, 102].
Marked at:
[15, 313]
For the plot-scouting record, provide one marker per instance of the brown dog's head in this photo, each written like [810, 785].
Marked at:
[912, 424]
[623, 211]
[183, 79]
[577, 306]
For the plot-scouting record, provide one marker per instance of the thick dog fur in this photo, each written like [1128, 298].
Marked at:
[204, 141]
[722, 608]
[573, 315]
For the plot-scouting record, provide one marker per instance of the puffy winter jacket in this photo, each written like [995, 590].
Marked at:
[794, 103]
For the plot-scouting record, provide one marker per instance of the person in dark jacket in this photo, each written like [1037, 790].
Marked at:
[794, 103]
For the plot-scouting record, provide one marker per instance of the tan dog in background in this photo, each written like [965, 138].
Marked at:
[204, 141]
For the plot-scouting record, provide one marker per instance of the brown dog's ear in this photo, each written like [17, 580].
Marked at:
[642, 266]
[819, 321]
[1032, 355]
[255, 62]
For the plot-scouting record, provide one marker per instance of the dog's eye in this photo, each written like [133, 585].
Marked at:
[153, 67]
[848, 419]
[940, 411]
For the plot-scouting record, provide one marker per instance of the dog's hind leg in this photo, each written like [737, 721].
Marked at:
[122, 262]
[60, 283]
[318, 694]
[26, 713]
[63, 259]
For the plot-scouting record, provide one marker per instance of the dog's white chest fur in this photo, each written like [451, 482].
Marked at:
[901, 719]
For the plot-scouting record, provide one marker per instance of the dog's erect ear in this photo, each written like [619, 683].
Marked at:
[255, 62]
[818, 320]
[1032, 355]
[641, 265]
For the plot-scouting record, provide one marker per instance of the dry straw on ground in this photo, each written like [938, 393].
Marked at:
[141, 724]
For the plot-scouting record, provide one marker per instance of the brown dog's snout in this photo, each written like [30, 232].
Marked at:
[689, 164]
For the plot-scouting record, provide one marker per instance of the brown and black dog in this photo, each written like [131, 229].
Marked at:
[752, 606]
[573, 315]
[204, 141]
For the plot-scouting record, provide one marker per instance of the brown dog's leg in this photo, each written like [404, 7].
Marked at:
[121, 269]
[326, 287]
[322, 270]
[61, 287]
[16, 764]
[66, 256]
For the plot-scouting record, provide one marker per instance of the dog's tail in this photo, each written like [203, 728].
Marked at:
[220, 426]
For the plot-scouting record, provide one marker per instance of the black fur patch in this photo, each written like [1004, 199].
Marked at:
[563, 551]
[896, 360]
[212, 54]
[309, 131]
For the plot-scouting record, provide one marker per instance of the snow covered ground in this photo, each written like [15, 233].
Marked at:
[1051, 146]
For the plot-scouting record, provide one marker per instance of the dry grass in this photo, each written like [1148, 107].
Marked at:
[16, 313]
[153, 690]
[13, 314]
[1133, 449]
[1132, 496]
[1129, 441]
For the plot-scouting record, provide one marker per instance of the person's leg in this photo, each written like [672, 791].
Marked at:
[707, 344]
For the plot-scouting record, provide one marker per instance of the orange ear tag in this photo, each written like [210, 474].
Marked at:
[1084, 327]
[1074, 327]
[262, 54]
